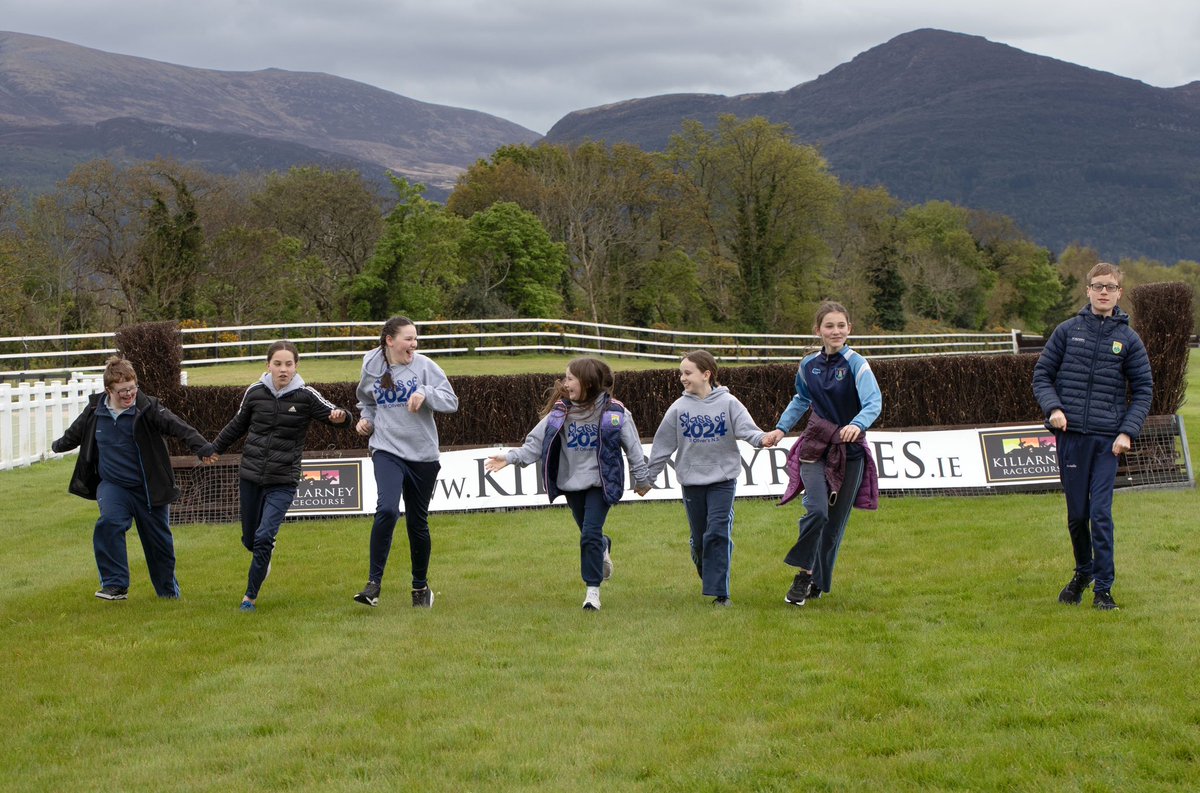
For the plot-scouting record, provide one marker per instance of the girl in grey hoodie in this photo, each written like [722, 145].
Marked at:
[702, 429]
[398, 394]
[579, 442]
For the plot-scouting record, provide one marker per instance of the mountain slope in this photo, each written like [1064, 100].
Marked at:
[44, 83]
[1074, 154]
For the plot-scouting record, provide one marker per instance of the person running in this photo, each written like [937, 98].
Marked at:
[830, 459]
[1088, 366]
[702, 429]
[398, 393]
[579, 442]
[124, 466]
[274, 415]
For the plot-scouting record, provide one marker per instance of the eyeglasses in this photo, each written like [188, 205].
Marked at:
[1105, 287]
[124, 392]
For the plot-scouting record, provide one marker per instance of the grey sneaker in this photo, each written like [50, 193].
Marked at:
[608, 567]
[369, 595]
[113, 593]
[422, 598]
[799, 591]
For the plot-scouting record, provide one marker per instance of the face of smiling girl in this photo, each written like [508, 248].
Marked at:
[572, 386]
[834, 330]
[402, 346]
[694, 381]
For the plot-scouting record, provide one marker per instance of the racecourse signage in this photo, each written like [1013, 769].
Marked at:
[991, 458]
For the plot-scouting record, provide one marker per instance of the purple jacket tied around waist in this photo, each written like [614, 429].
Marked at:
[821, 436]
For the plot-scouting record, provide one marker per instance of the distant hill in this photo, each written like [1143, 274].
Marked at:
[61, 104]
[1073, 154]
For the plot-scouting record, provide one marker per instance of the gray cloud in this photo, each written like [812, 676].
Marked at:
[533, 61]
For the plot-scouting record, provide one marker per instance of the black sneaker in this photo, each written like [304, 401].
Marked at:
[1072, 593]
[814, 591]
[113, 593]
[1103, 601]
[722, 602]
[369, 595]
[423, 598]
[799, 591]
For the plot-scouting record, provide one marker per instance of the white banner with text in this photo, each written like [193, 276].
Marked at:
[919, 460]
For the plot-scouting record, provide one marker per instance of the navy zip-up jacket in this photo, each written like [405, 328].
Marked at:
[1083, 371]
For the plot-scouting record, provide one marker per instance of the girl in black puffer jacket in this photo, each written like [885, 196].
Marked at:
[275, 412]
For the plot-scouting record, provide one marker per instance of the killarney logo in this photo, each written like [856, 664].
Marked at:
[329, 486]
[1027, 454]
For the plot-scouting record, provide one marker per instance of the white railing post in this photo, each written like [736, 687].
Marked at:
[6, 425]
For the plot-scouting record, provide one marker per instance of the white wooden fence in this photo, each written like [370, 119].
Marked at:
[30, 357]
[33, 415]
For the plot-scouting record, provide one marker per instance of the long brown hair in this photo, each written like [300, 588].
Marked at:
[594, 376]
[390, 329]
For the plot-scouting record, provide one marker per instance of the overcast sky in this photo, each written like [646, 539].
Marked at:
[533, 61]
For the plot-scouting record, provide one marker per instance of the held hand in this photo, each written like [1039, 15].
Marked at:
[1058, 419]
[642, 490]
[1122, 444]
[771, 438]
[363, 427]
[849, 433]
[212, 458]
[337, 416]
[415, 401]
[495, 463]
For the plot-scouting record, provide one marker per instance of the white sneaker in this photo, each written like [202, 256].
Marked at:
[591, 602]
[607, 565]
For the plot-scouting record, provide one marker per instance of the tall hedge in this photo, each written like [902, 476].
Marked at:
[156, 351]
[1163, 320]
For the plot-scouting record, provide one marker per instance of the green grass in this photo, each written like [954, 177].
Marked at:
[336, 370]
[941, 661]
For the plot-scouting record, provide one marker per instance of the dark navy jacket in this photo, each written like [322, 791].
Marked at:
[1083, 371]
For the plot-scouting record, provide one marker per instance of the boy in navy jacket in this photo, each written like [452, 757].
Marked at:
[1080, 382]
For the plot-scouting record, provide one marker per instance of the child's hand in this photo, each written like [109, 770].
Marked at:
[1121, 444]
[363, 427]
[495, 463]
[337, 416]
[415, 401]
[771, 438]
[849, 433]
[642, 490]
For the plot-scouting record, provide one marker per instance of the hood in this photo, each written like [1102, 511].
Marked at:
[295, 384]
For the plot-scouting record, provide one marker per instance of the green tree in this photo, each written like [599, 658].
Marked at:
[336, 216]
[415, 269]
[768, 201]
[510, 265]
[947, 276]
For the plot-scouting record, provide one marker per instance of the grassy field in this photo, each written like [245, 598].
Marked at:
[335, 370]
[941, 660]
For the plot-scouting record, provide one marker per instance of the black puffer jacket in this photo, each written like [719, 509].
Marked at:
[1083, 371]
[151, 423]
[276, 427]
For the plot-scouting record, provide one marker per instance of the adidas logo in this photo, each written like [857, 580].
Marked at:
[292, 409]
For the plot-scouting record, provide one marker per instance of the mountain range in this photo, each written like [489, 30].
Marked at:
[61, 104]
[1073, 154]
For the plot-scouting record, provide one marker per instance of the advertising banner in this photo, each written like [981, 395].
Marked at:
[921, 460]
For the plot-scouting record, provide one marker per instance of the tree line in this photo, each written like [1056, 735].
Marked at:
[738, 227]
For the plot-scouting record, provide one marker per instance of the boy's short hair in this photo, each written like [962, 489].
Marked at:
[117, 370]
[1105, 268]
